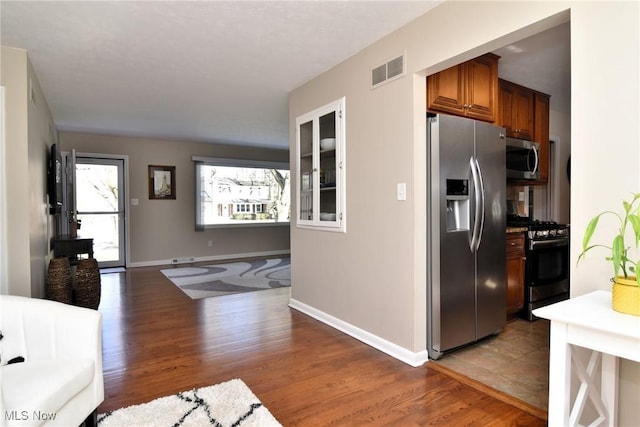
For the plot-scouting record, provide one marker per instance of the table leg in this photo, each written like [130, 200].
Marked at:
[609, 387]
[559, 375]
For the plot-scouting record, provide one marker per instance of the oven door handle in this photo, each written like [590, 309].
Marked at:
[549, 243]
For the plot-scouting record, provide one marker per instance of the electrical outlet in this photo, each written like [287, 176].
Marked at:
[183, 260]
[210, 243]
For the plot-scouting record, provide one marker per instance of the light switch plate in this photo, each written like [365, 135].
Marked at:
[402, 191]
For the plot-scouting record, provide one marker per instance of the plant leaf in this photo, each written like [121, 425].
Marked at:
[635, 224]
[617, 253]
[589, 232]
[584, 253]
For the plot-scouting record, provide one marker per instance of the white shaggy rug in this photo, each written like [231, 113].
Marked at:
[227, 404]
[232, 278]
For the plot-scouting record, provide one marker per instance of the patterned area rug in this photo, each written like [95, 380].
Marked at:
[231, 403]
[227, 279]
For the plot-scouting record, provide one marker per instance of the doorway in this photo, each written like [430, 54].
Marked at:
[515, 362]
[100, 206]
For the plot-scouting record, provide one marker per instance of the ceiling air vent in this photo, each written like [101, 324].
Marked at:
[387, 72]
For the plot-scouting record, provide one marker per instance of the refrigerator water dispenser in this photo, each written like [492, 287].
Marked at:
[457, 205]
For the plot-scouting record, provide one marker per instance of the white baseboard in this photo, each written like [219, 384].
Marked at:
[225, 257]
[393, 350]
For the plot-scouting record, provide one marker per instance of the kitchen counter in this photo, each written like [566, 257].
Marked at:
[516, 229]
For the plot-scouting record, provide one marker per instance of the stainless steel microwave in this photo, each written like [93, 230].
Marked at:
[523, 159]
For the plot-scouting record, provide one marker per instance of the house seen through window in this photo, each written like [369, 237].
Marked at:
[228, 195]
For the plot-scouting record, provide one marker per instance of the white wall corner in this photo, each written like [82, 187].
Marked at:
[4, 278]
[402, 354]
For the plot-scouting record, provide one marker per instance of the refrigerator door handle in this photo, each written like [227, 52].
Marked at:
[477, 204]
[481, 198]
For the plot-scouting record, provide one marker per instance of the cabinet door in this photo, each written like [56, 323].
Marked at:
[541, 134]
[305, 170]
[505, 108]
[320, 168]
[515, 273]
[522, 113]
[328, 202]
[446, 91]
[469, 89]
[516, 109]
[482, 87]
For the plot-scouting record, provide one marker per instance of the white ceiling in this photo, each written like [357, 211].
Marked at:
[213, 71]
[543, 63]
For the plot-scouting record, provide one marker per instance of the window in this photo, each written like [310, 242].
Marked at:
[232, 192]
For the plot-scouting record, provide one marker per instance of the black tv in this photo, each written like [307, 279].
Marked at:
[54, 181]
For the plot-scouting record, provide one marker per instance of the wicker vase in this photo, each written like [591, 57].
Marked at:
[87, 284]
[625, 296]
[59, 281]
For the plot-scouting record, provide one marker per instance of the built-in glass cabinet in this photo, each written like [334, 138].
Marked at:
[321, 168]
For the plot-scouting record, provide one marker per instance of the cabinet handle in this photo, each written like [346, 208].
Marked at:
[315, 169]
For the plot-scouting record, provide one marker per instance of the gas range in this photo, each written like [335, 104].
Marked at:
[539, 230]
[547, 262]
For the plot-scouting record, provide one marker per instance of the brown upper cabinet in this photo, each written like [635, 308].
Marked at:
[469, 89]
[541, 134]
[516, 110]
[524, 113]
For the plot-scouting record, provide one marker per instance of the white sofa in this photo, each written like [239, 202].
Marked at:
[60, 382]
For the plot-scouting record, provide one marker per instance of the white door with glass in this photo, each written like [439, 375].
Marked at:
[100, 207]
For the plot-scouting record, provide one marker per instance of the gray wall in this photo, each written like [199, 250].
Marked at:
[164, 229]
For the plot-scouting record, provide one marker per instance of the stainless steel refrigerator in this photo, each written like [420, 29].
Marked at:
[466, 277]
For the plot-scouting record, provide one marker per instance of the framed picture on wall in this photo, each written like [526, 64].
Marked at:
[162, 182]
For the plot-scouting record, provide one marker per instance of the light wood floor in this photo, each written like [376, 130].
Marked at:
[157, 341]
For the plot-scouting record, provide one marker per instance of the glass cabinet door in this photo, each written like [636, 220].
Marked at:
[320, 157]
[306, 171]
[327, 172]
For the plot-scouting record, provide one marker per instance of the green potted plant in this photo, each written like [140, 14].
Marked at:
[626, 290]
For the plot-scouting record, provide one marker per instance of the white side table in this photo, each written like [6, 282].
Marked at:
[587, 321]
